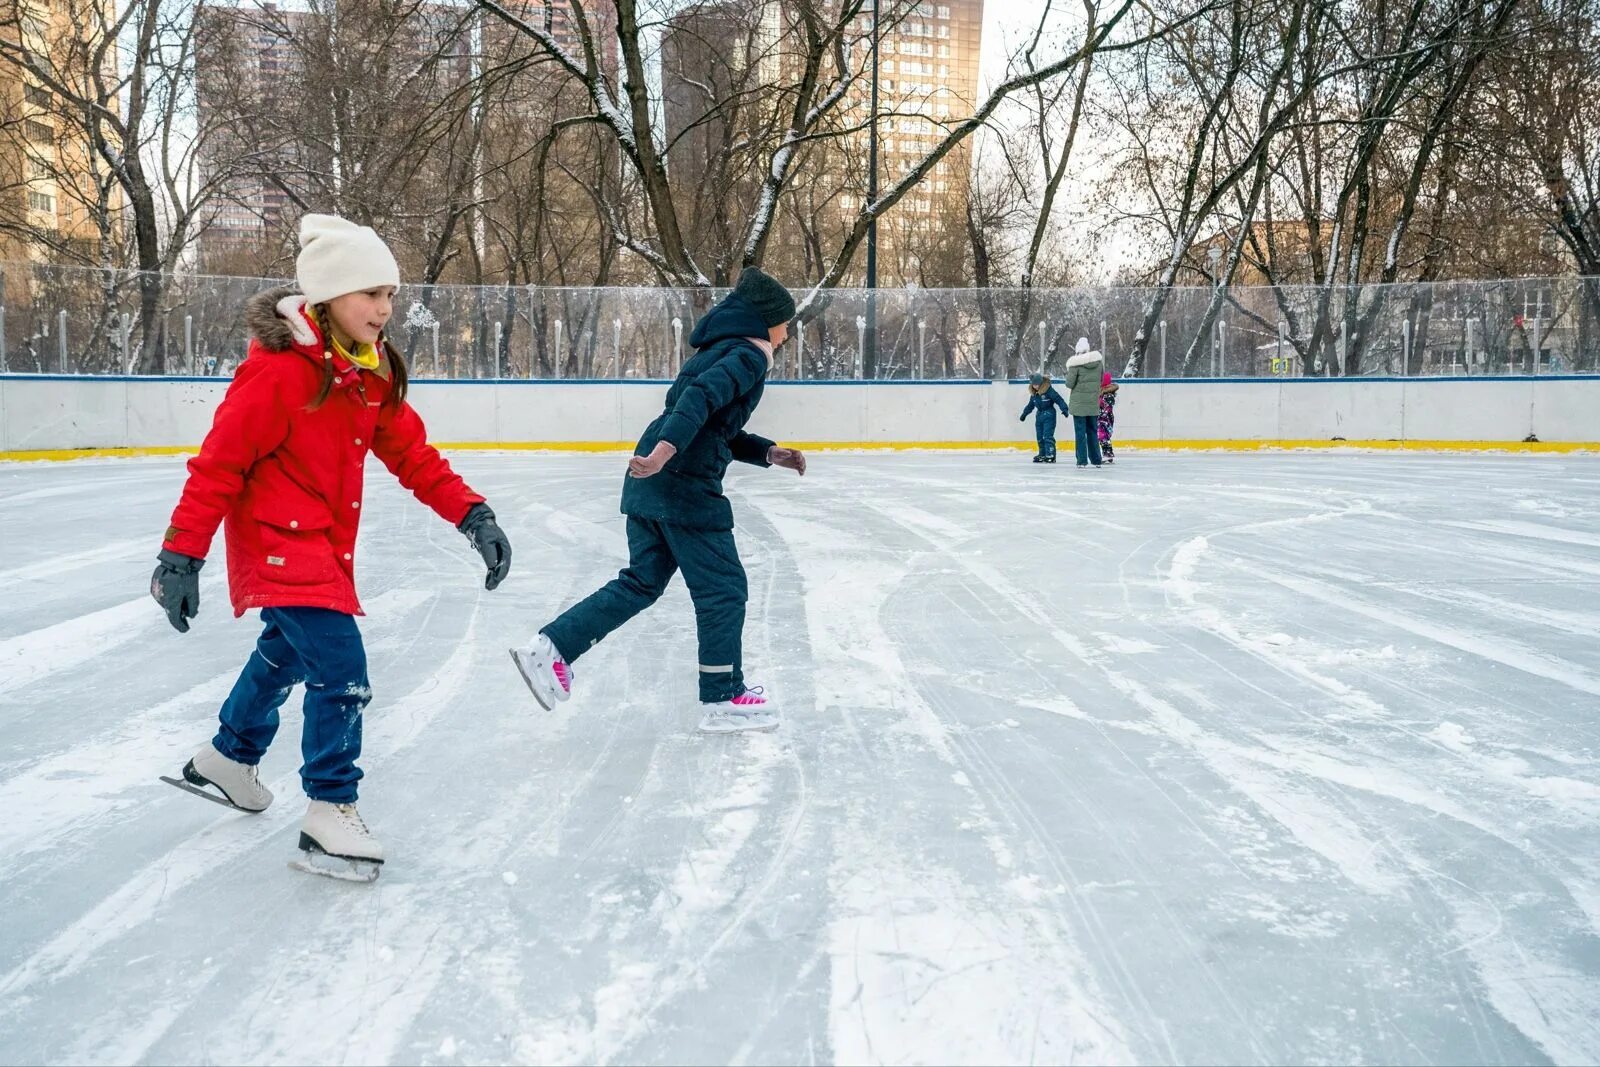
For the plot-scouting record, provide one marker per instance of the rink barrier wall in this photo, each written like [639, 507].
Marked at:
[63, 417]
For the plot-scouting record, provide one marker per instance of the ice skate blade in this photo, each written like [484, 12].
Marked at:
[534, 666]
[528, 681]
[188, 787]
[337, 867]
[723, 724]
[313, 860]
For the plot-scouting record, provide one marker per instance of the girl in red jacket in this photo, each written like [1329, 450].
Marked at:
[281, 472]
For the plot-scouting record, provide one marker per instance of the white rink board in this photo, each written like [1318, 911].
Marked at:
[74, 413]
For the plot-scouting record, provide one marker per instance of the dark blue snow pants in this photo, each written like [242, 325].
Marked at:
[1086, 431]
[323, 649]
[1044, 428]
[710, 563]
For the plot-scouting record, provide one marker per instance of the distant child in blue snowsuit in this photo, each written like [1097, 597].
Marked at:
[1045, 400]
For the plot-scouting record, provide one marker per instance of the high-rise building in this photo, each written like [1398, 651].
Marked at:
[266, 144]
[719, 57]
[927, 80]
[601, 15]
[723, 66]
[243, 53]
[540, 82]
[256, 58]
[713, 54]
[47, 172]
[929, 73]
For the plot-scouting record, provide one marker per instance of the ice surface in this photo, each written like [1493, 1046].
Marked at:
[1201, 758]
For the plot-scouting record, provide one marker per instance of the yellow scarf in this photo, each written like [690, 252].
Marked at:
[365, 356]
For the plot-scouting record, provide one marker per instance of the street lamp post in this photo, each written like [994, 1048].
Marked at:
[1214, 254]
[869, 352]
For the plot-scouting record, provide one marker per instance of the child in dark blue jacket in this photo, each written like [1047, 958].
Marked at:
[678, 518]
[1045, 400]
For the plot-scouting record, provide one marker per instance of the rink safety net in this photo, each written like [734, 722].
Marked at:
[67, 320]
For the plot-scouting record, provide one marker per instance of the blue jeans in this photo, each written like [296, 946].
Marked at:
[1086, 432]
[710, 563]
[323, 649]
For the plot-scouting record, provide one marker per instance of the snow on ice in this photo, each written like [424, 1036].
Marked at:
[1243, 758]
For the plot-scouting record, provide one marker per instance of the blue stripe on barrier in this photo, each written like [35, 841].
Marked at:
[11, 377]
[1364, 378]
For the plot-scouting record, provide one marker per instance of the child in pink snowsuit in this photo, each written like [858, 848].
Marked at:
[1108, 416]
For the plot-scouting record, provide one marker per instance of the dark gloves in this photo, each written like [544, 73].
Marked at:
[176, 587]
[490, 541]
[1023, 417]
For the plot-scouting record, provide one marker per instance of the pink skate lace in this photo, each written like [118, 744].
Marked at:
[749, 698]
[563, 674]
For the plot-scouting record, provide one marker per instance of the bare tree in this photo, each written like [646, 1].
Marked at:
[133, 112]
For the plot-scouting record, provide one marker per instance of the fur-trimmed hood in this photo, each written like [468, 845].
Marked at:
[277, 319]
[278, 323]
[1084, 359]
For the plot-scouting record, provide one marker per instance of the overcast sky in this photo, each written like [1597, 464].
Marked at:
[1006, 22]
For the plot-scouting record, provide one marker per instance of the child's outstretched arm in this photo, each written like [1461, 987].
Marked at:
[250, 422]
[751, 448]
[788, 458]
[733, 376]
[402, 444]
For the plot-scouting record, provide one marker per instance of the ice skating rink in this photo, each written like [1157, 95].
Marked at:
[1250, 758]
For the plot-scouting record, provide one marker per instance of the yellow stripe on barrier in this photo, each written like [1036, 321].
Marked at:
[61, 454]
[1196, 445]
[1401, 446]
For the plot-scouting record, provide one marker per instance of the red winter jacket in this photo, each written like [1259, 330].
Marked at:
[285, 483]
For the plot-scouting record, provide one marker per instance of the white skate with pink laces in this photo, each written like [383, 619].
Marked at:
[751, 710]
[548, 675]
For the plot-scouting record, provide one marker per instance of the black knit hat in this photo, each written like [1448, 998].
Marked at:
[770, 299]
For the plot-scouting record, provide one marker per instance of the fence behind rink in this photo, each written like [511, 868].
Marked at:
[68, 416]
[78, 321]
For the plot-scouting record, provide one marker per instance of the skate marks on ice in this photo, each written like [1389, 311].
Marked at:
[155, 894]
[1308, 735]
[941, 947]
[1513, 890]
[29, 658]
[693, 898]
[69, 794]
[663, 948]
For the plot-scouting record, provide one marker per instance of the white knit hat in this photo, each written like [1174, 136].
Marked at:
[339, 257]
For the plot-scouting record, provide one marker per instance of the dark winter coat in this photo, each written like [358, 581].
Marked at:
[1045, 404]
[706, 410]
[1083, 381]
[285, 483]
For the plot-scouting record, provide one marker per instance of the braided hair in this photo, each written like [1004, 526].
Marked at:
[399, 378]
